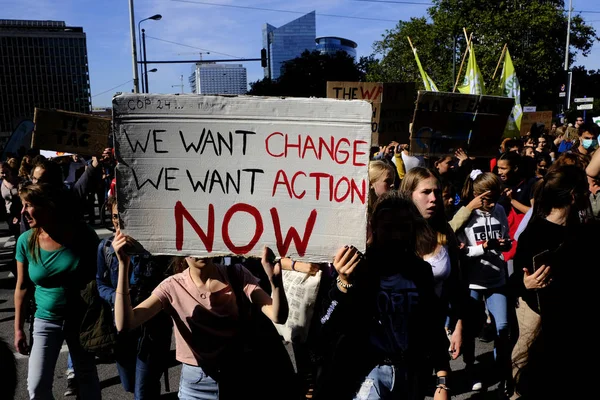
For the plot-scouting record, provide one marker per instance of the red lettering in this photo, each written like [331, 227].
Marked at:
[296, 195]
[337, 186]
[318, 176]
[344, 152]
[207, 238]
[292, 234]
[289, 145]
[309, 144]
[284, 181]
[242, 207]
[356, 153]
[361, 193]
[267, 144]
[370, 95]
[323, 144]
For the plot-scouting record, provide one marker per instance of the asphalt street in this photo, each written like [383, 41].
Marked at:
[107, 371]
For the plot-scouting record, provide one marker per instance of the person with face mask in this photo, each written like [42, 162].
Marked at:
[588, 139]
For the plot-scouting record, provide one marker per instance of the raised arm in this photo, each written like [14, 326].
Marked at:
[276, 306]
[126, 317]
[593, 168]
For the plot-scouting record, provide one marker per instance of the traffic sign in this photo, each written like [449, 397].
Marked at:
[585, 107]
[584, 100]
[562, 94]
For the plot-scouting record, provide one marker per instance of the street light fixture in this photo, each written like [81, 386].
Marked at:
[143, 67]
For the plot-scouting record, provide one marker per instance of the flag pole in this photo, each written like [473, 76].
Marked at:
[499, 61]
[463, 61]
[410, 42]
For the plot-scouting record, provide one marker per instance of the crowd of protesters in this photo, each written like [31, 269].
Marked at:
[455, 245]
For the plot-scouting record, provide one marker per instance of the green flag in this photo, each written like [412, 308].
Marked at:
[427, 81]
[509, 87]
[473, 83]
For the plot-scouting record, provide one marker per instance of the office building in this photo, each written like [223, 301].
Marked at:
[219, 79]
[332, 44]
[288, 42]
[42, 64]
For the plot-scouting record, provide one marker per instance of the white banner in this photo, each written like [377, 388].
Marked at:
[212, 175]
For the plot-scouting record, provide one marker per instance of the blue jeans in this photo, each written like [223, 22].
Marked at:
[48, 337]
[195, 384]
[139, 374]
[497, 305]
[384, 382]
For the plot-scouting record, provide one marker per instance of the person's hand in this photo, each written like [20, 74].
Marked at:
[21, 342]
[15, 220]
[505, 245]
[404, 147]
[455, 343]
[508, 193]
[477, 202]
[441, 394]
[539, 279]
[345, 262]
[120, 244]
[273, 270]
[491, 244]
[95, 162]
[461, 155]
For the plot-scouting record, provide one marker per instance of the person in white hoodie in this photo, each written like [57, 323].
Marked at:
[483, 239]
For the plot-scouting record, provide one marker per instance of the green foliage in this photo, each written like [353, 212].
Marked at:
[534, 30]
[307, 75]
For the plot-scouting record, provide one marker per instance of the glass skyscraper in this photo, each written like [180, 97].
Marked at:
[332, 44]
[42, 64]
[288, 42]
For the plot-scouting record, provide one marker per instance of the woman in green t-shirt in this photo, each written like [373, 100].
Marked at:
[57, 257]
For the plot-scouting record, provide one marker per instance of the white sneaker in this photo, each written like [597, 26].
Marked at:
[477, 386]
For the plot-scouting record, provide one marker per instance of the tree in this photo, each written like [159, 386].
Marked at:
[307, 75]
[535, 31]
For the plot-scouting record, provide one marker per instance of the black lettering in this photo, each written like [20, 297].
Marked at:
[240, 132]
[198, 183]
[337, 92]
[229, 179]
[211, 139]
[253, 172]
[168, 178]
[137, 143]
[156, 141]
[215, 177]
[222, 142]
[196, 148]
[130, 104]
[152, 183]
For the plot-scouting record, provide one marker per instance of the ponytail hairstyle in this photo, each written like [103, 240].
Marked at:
[559, 188]
[479, 182]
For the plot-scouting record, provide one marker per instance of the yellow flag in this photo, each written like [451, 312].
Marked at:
[427, 81]
[473, 83]
[509, 87]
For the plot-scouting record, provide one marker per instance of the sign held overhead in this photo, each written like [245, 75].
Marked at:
[70, 132]
[211, 175]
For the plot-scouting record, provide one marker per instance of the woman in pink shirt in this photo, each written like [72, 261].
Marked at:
[203, 306]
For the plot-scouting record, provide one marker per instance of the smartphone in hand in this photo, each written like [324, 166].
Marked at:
[543, 258]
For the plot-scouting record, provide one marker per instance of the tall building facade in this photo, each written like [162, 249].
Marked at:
[332, 44]
[288, 42]
[43, 64]
[219, 79]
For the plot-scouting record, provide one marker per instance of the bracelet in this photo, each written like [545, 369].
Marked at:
[342, 284]
[293, 265]
[440, 386]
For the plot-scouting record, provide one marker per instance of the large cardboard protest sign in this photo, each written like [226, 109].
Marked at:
[530, 118]
[70, 132]
[444, 122]
[214, 175]
[393, 105]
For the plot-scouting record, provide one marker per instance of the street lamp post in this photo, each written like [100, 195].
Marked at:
[156, 17]
[136, 85]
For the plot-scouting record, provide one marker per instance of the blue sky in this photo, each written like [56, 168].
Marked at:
[215, 29]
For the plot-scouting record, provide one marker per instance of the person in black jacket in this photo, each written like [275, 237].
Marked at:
[382, 322]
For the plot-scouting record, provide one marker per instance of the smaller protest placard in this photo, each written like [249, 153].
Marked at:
[70, 132]
[444, 122]
[530, 118]
[393, 105]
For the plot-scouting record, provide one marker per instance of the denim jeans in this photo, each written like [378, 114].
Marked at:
[195, 384]
[140, 374]
[48, 337]
[384, 382]
[497, 305]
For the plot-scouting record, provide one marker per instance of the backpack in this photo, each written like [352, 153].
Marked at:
[262, 362]
[97, 331]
